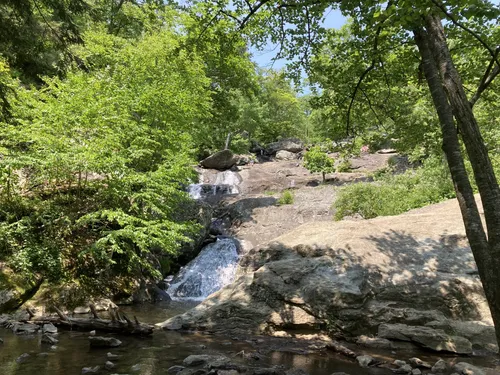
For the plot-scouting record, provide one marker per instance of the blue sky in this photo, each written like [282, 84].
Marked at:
[333, 19]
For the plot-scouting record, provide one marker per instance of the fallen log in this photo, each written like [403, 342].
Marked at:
[120, 323]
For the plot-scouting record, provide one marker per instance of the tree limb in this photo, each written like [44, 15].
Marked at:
[492, 52]
[488, 77]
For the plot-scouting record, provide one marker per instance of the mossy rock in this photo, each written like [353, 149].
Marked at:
[14, 290]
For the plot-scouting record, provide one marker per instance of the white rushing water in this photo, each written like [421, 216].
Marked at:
[225, 183]
[214, 268]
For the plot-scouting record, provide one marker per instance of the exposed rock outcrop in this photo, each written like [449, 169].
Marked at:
[351, 277]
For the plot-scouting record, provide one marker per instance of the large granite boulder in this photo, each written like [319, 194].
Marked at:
[291, 145]
[221, 160]
[355, 278]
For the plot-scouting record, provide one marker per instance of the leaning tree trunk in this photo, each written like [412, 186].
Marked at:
[450, 101]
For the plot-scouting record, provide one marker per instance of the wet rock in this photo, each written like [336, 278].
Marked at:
[399, 363]
[364, 360]
[92, 333]
[49, 328]
[416, 371]
[53, 347]
[175, 369]
[91, 370]
[104, 342]
[440, 366]
[204, 359]
[227, 372]
[109, 365]
[405, 369]
[267, 371]
[22, 358]
[112, 356]
[417, 362]
[221, 160]
[24, 328]
[1, 340]
[427, 337]
[467, 369]
[136, 368]
[42, 354]
[49, 339]
[202, 346]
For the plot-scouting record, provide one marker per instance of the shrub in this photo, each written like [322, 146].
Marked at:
[286, 198]
[395, 194]
[316, 160]
[344, 166]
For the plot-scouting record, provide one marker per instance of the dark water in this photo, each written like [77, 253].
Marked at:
[156, 354]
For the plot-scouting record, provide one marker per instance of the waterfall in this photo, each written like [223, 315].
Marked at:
[224, 183]
[211, 270]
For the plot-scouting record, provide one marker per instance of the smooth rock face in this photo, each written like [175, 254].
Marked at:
[285, 155]
[429, 338]
[49, 328]
[221, 160]
[104, 342]
[414, 272]
[440, 366]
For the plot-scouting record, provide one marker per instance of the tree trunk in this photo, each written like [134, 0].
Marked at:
[451, 102]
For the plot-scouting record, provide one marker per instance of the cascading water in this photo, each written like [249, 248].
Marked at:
[214, 268]
[225, 183]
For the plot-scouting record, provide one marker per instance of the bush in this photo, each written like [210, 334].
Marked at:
[395, 194]
[344, 166]
[286, 198]
[316, 160]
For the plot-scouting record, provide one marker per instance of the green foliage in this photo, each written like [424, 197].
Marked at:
[344, 166]
[286, 197]
[316, 160]
[94, 168]
[394, 194]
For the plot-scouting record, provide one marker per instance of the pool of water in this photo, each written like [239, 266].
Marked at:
[154, 355]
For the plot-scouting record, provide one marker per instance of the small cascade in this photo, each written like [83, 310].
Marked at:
[224, 184]
[214, 268]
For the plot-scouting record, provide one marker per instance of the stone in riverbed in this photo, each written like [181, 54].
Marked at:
[211, 361]
[49, 328]
[440, 366]
[49, 339]
[23, 358]
[91, 370]
[417, 362]
[175, 369]
[104, 342]
[109, 365]
[364, 360]
[405, 369]
[467, 369]
[112, 356]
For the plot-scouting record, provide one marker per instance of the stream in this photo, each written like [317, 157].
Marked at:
[153, 355]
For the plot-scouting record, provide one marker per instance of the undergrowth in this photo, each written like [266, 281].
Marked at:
[394, 194]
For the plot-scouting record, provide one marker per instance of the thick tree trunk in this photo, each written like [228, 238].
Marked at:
[451, 102]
